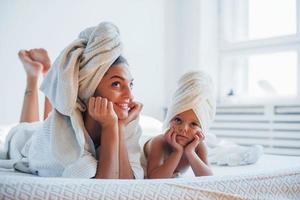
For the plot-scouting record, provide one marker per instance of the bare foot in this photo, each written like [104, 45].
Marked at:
[40, 55]
[31, 67]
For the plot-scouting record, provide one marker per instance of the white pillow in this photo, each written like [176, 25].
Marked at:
[4, 129]
[150, 125]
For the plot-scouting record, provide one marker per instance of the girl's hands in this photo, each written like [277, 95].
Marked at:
[170, 137]
[190, 148]
[134, 111]
[102, 111]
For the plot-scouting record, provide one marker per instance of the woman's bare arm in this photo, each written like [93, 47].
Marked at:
[108, 165]
[101, 110]
[125, 171]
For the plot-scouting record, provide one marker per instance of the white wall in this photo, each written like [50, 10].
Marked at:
[163, 40]
[53, 24]
[191, 39]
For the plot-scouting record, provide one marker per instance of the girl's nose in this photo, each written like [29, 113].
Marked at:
[184, 128]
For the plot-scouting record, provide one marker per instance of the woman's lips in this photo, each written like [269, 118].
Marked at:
[122, 106]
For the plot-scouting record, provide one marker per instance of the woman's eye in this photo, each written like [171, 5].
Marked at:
[115, 84]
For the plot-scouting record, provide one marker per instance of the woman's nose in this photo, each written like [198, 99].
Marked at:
[128, 93]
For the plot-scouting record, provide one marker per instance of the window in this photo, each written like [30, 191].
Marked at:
[272, 74]
[259, 50]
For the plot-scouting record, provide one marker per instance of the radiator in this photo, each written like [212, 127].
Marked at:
[276, 127]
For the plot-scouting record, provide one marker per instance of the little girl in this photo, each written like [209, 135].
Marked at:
[188, 119]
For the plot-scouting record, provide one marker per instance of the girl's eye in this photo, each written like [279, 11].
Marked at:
[177, 120]
[195, 125]
[115, 84]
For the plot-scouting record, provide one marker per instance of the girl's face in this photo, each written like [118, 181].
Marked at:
[116, 86]
[186, 125]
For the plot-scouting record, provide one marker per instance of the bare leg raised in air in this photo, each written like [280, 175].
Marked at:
[35, 63]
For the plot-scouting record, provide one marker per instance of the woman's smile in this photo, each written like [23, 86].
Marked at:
[123, 106]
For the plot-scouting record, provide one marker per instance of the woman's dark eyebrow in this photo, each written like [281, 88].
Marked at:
[120, 77]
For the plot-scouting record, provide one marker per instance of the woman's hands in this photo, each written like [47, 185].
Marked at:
[102, 111]
[134, 111]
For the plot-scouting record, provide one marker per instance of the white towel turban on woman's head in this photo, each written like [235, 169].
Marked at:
[78, 70]
[195, 90]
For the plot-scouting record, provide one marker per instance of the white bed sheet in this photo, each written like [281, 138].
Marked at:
[272, 177]
[265, 163]
[282, 184]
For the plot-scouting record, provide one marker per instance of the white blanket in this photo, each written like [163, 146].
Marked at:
[283, 184]
[61, 146]
[224, 152]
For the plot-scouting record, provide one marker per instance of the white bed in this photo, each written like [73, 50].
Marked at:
[266, 163]
[275, 184]
[272, 177]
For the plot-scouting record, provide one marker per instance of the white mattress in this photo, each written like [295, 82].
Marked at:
[272, 177]
[282, 184]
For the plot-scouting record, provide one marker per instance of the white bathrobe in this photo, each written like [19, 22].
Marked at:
[61, 146]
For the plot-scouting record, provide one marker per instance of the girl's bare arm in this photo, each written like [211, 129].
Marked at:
[198, 161]
[157, 167]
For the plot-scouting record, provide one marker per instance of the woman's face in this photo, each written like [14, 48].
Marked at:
[186, 125]
[116, 86]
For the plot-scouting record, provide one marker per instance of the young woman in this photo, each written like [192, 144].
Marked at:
[92, 129]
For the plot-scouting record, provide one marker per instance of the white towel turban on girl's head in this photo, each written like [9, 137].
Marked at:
[194, 91]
